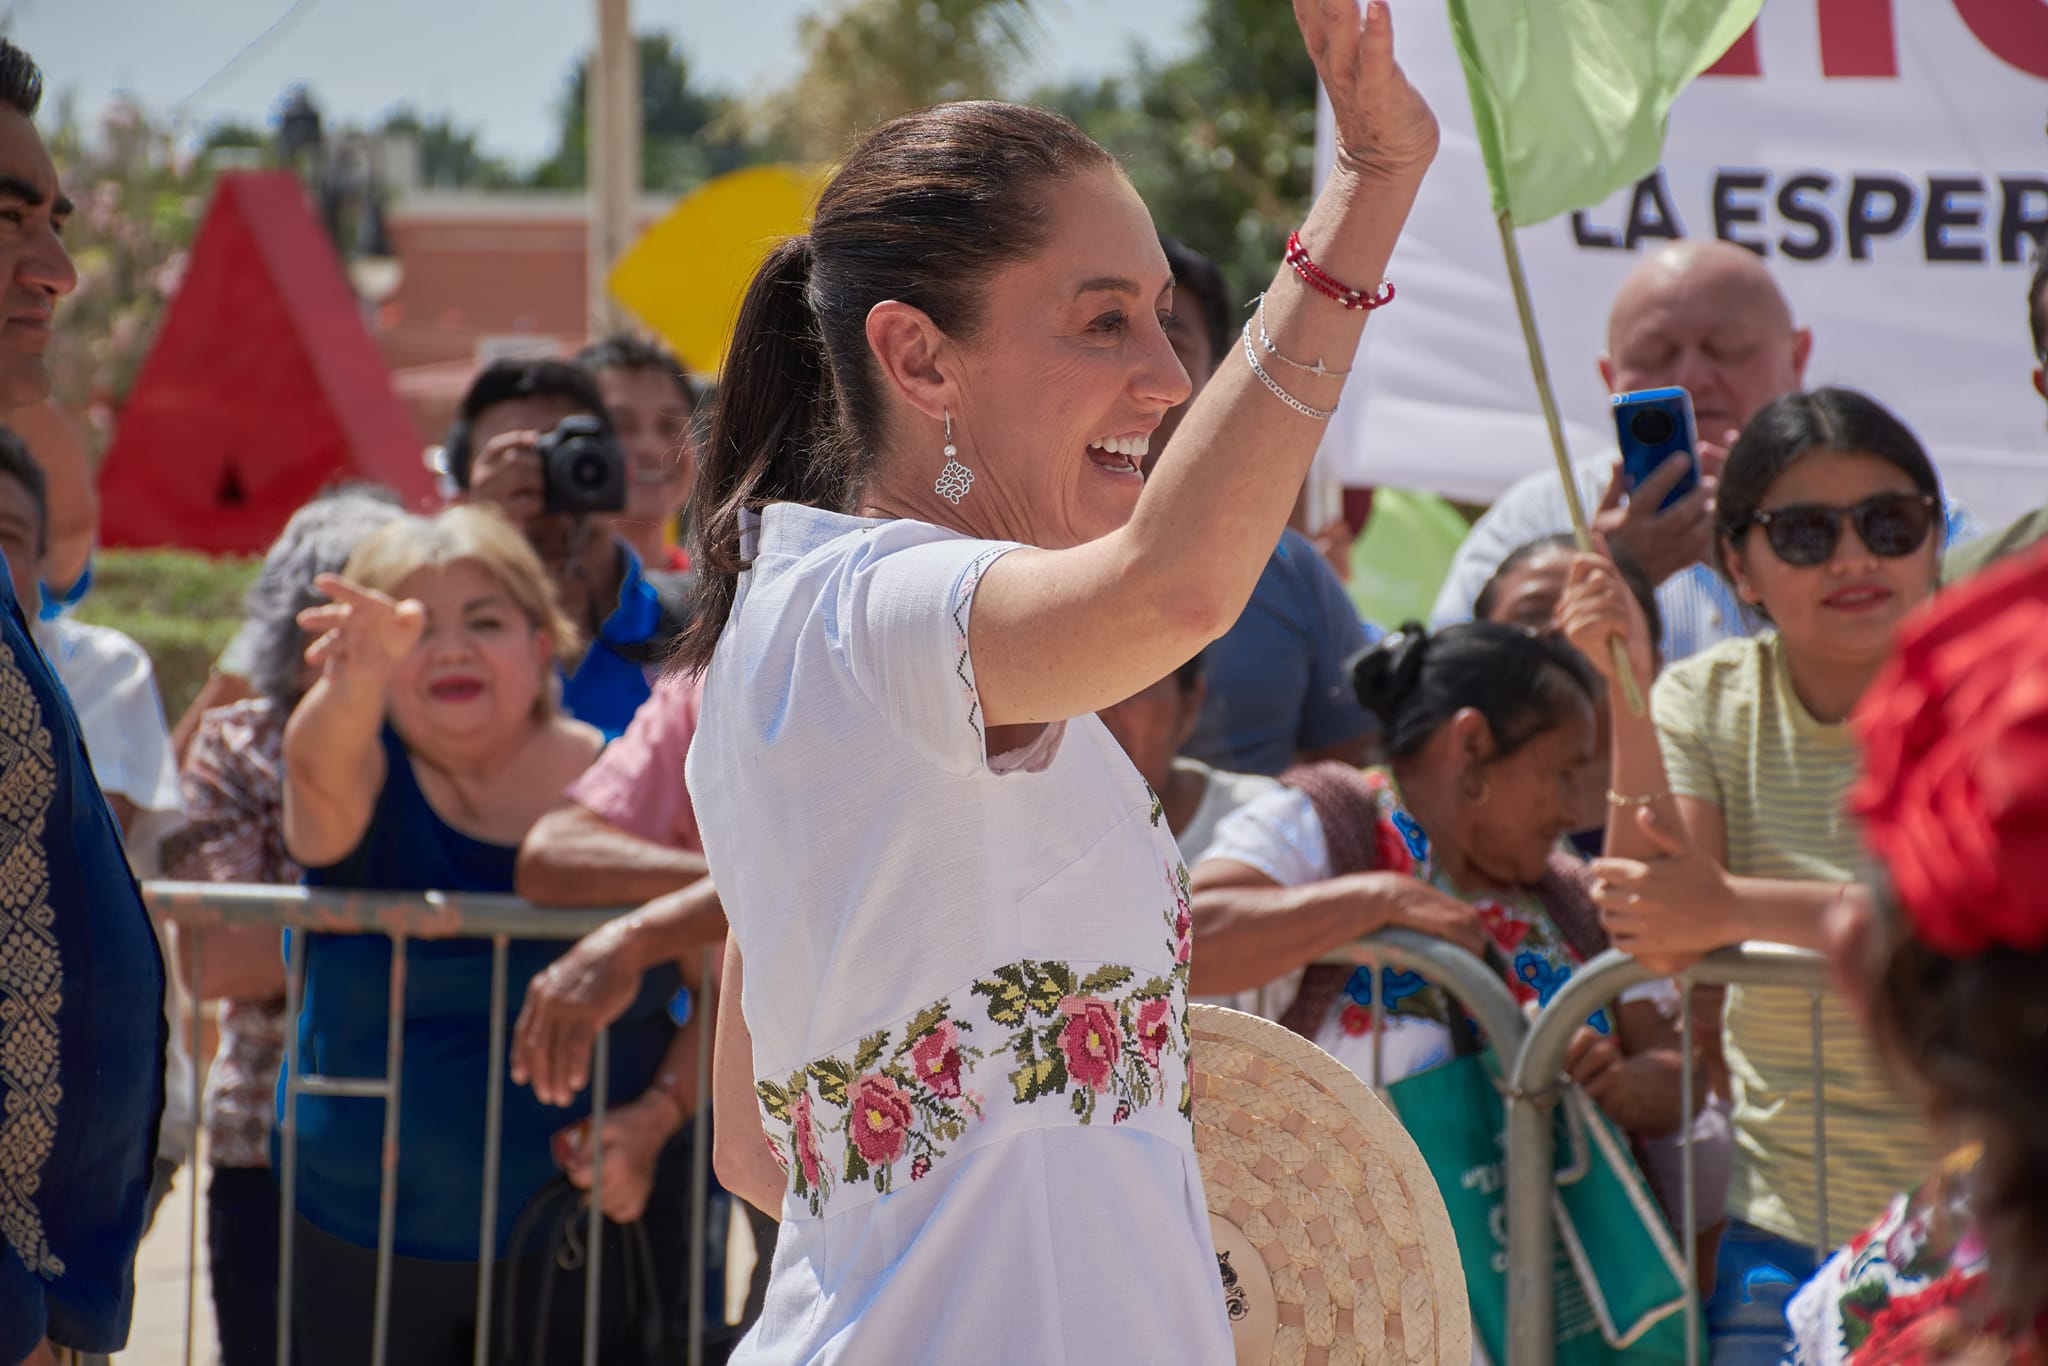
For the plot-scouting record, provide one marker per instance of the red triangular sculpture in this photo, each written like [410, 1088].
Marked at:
[261, 389]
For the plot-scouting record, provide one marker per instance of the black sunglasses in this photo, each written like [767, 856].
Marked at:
[1889, 524]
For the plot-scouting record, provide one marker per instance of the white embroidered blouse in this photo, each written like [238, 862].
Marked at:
[966, 980]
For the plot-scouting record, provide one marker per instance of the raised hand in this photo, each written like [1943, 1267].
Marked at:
[1596, 608]
[1384, 126]
[360, 632]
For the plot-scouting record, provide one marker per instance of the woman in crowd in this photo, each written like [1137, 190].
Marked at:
[1729, 822]
[1487, 731]
[1526, 591]
[419, 758]
[1945, 971]
[928, 557]
[233, 789]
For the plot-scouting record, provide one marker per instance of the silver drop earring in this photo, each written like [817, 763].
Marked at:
[955, 479]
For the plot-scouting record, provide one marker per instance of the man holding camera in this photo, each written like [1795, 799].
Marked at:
[531, 438]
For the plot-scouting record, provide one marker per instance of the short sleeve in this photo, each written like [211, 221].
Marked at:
[637, 783]
[900, 621]
[1279, 834]
[1331, 714]
[1678, 705]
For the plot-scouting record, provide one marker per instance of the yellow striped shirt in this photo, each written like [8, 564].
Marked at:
[1735, 734]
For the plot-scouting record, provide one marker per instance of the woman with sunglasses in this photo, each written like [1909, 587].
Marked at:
[1727, 818]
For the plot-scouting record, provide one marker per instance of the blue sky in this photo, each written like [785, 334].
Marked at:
[498, 64]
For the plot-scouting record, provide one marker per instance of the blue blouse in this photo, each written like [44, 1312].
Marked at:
[443, 1092]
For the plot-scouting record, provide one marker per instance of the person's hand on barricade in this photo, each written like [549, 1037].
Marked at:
[359, 632]
[506, 473]
[1595, 1062]
[634, 1135]
[1597, 607]
[1662, 540]
[567, 1003]
[1413, 904]
[1670, 911]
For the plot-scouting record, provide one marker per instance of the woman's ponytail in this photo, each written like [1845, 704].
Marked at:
[774, 437]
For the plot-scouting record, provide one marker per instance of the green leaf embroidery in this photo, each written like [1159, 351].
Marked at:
[870, 1051]
[856, 1165]
[1051, 983]
[833, 1077]
[1082, 1095]
[775, 1101]
[1006, 993]
[1105, 979]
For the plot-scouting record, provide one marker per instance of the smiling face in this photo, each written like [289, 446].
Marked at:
[651, 419]
[33, 262]
[1844, 610]
[479, 667]
[1065, 382]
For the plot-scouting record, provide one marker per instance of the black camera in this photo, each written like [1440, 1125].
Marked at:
[1651, 426]
[582, 468]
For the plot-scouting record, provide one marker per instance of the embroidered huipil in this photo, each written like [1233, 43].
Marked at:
[965, 980]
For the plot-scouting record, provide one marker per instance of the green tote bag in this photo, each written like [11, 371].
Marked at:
[1620, 1279]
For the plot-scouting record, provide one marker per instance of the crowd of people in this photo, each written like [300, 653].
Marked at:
[959, 680]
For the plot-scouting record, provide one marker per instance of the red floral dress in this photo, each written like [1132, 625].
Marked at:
[1910, 1288]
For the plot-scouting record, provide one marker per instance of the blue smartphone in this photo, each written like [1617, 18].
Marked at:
[1655, 425]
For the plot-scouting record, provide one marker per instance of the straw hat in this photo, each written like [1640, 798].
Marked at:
[1335, 1242]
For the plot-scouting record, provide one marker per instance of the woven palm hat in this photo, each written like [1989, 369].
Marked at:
[1333, 1238]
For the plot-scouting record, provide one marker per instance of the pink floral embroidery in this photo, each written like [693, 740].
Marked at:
[1091, 1040]
[806, 1137]
[935, 1060]
[1153, 1030]
[881, 1118]
[1356, 1020]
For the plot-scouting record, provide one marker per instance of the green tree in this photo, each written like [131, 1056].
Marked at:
[1221, 142]
[687, 134]
[139, 201]
[450, 155]
[866, 61]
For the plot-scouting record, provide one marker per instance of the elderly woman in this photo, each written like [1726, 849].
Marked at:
[1487, 729]
[233, 788]
[428, 746]
[1944, 971]
[1729, 822]
[957, 972]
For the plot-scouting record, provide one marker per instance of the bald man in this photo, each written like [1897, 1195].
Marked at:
[1702, 314]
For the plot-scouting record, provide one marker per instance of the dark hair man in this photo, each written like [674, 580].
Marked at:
[491, 455]
[653, 406]
[81, 982]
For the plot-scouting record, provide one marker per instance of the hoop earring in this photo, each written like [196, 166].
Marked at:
[955, 479]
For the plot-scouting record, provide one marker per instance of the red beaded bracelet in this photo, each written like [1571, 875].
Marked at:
[1329, 286]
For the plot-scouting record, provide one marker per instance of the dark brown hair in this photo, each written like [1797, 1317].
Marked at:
[1972, 1035]
[922, 211]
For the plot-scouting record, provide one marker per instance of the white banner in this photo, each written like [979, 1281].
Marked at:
[1885, 155]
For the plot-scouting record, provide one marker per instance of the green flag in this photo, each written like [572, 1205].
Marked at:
[1570, 96]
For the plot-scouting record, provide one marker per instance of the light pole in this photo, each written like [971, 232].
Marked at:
[612, 117]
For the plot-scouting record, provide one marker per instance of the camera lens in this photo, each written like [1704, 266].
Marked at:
[1651, 426]
[588, 471]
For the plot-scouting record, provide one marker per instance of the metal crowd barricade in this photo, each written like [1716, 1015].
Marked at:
[403, 917]
[1538, 1077]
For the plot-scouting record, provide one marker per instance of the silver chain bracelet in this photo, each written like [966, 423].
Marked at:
[1319, 370]
[1251, 356]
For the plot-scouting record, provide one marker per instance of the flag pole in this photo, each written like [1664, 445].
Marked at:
[1582, 530]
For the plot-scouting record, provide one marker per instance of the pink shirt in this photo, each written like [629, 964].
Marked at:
[637, 783]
